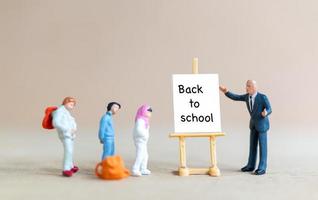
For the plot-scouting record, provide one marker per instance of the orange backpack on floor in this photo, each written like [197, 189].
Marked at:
[111, 168]
[47, 120]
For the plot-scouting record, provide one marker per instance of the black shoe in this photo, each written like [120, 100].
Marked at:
[260, 172]
[247, 169]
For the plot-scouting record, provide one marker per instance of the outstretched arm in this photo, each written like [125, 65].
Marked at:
[231, 95]
[235, 97]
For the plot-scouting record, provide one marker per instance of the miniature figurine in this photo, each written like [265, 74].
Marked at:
[106, 131]
[65, 125]
[141, 136]
[259, 108]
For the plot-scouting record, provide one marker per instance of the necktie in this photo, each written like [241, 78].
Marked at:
[251, 103]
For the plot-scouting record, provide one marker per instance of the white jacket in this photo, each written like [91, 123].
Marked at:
[141, 133]
[64, 122]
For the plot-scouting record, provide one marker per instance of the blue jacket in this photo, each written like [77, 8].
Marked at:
[257, 121]
[106, 130]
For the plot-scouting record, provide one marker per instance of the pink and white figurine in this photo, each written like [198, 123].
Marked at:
[141, 136]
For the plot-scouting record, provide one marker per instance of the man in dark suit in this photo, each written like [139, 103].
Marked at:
[259, 108]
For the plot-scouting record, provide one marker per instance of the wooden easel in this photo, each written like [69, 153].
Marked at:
[213, 170]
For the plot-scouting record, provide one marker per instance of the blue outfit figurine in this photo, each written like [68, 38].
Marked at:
[106, 131]
[259, 108]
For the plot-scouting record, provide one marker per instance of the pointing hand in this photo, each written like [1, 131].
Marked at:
[223, 89]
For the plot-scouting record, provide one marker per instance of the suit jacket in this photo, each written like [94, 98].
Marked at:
[257, 121]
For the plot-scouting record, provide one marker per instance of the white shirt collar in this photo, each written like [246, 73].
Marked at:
[253, 96]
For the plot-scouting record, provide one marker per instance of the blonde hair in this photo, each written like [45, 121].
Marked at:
[68, 100]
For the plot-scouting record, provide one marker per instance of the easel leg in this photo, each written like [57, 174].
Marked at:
[183, 170]
[214, 170]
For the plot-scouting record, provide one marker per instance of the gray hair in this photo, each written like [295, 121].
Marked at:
[253, 81]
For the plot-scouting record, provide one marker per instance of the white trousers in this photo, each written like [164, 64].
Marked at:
[141, 161]
[68, 144]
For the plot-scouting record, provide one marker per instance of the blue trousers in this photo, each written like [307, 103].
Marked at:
[108, 147]
[255, 139]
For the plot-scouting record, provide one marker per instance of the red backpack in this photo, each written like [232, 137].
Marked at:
[47, 120]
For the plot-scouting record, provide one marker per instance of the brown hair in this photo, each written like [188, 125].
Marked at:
[69, 99]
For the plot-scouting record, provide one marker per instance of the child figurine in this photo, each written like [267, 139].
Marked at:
[106, 131]
[141, 135]
[66, 127]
